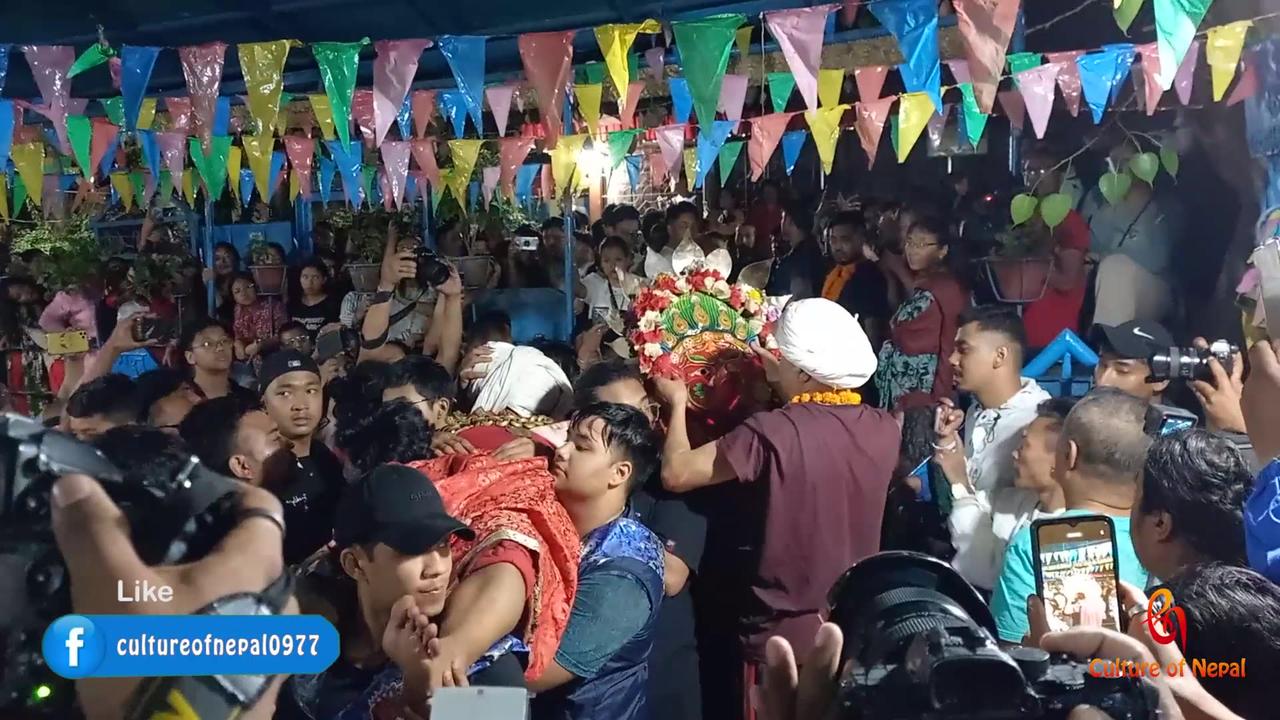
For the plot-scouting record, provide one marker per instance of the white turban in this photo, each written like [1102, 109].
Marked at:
[824, 340]
[523, 380]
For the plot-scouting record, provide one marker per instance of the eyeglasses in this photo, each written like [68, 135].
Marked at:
[214, 345]
[919, 244]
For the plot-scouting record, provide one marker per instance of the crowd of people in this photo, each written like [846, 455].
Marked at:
[471, 511]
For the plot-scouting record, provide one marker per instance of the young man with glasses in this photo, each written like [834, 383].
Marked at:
[986, 362]
[207, 346]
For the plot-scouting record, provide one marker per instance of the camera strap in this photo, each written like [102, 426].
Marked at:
[214, 697]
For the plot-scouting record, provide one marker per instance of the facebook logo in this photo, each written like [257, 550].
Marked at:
[73, 647]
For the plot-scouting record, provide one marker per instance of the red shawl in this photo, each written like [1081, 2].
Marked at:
[515, 501]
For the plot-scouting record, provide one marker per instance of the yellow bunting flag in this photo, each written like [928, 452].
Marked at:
[323, 111]
[1223, 54]
[233, 162]
[147, 114]
[589, 104]
[564, 158]
[262, 65]
[914, 111]
[465, 154]
[580, 182]
[124, 188]
[28, 158]
[258, 148]
[189, 187]
[743, 40]
[4, 196]
[829, 84]
[615, 43]
[690, 167]
[824, 125]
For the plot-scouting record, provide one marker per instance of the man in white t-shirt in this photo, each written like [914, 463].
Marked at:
[986, 362]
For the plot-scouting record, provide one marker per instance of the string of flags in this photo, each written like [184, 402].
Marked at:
[193, 148]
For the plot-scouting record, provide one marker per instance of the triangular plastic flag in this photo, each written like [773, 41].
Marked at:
[1176, 24]
[1222, 51]
[499, 97]
[234, 156]
[914, 23]
[28, 159]
[1036, 86]
[339, 63]
[258, 150]
[671, 143]
[80, 133]
[781, 84]
[766, 133]
[589, 104]
[619, 143]
[465, 54]
[681, 100]
[870, 81]
[975, 121]
[564, 160]
[453, 105]
[213, 166]
[733, 94]
[615, 42]
[799, 34]
[691, 174]
[393, 70]
[914, 111]
[1014, 109]
[262, 65]
[792, 142]
[830, 82]
[824, 125]
[710, 140]
[633, 171]
[872, 115]
[704, 46]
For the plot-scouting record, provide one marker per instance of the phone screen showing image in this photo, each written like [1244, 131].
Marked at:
[1076, 571]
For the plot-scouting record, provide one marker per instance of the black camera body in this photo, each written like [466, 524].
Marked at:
[176, 521]
[1190, 363]
[919, 644]
[433, 271]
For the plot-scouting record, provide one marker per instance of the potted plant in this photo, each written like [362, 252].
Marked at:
[1019, 266]
[71, 256]
[267, 273]
[155, 277]
[367, 238]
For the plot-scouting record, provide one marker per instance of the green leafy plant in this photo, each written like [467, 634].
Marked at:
[154, 274]
[70, 251]
[1023, 241]
[259, 251]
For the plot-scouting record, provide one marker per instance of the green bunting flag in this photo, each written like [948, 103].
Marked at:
[1125, 11]
[593, 73]
[339, 63]
[139, 188]
[19, 194]
[781, 84]
[619, 145]
[91, 58]
[975, 121]
[212, 167]
[729, 153]
[366, 181]
[80, 133]
[114, 110]
[1176, 24]
[1023, 61]
[704, 46]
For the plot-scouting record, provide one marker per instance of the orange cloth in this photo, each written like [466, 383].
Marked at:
[836, 279]
[515, 501]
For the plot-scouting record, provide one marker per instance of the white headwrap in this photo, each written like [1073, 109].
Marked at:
[824, 340]
[523, 380]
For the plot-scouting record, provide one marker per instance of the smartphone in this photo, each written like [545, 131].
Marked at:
[148, 328]
[329, 346]
[71, 342]
[1076, 574]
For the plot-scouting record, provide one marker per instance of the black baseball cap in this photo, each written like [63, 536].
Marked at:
[1134, 340]
[397, 506]
[283, 362]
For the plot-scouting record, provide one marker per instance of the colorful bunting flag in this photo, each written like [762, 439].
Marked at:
[1036, 85]
[339, 63]
[547, 59]
[589, 104]
[202, 68]
[512, 152]
[123, 187]
[799, 36]
[633, 101]
[914, 23]
[564, 160]
[135, 72]
[1014, 109]
[870, 81]
[710, 140]
[262, 65]
[872, 115]
[704, 46]
[671, 142]
[633, 171]
[914, 111]
[234, 155]
[1176, 24]
[1068, 78]
[727, 159]
[619, 144]
[423, 103]
[766, 133]
[499, 97]
[792, 143]
[1222, 51]
[102, 147]
[258, 149]
[393, 71]
[691, 175]
[780, 86]
[465, 54]
[987, 27]
[453, 106]
[615, 42]
[80, 134]
[213, 166]
[733, 95]
[424, 153]
[681, 100]
[824, 125]
[830, 82]
[1125, 11]
[28, 159]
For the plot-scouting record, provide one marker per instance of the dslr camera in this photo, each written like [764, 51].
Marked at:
[176, 521]
[432, 269]
[918, 643]
[1190, 363]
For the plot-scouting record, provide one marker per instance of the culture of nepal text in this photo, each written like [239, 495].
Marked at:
[1099, 667]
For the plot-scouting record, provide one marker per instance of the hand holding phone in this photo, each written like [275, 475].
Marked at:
[70, 342]
[1076, 574]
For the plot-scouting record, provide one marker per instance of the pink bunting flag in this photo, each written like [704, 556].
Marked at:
[799, 36]
[849, 12]
[104, 139]
[657, 169]
[872, 115]
[423, 104]
[1068, 78]
[362, 113]
[1187, 73]
[424, 153]
[395, 161]
[1036, 86]
[766, 132]
[655, 58]
[986, 27]
[49, 67]
[960, 71]
[1247, 86]
[489, 183]
[548, 62]
[512, 152]
[499, 97]
[179, 113]
[1011, 103]
[202, 67]
[671, 143]
[733, 94]
[1151, 89]
[173, 148]
[870, 81]
[388, 194]
[634, 90]
[115, 66]
[301, 151]
[393, 71]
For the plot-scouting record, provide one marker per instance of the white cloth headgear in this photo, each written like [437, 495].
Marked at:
[524, 380]
[821, 338]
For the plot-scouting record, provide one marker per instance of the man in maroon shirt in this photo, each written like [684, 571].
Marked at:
[815, 473]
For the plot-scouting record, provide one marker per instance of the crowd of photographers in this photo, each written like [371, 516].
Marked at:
[468, 511]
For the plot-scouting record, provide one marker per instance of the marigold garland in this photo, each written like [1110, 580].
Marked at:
[837, 397]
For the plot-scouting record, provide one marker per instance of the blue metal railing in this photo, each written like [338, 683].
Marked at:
[1055, 367]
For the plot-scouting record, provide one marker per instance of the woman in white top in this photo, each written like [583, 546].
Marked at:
[611, 287]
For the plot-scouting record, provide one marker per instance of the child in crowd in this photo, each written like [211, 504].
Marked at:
[611, 287]
[256, 319]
